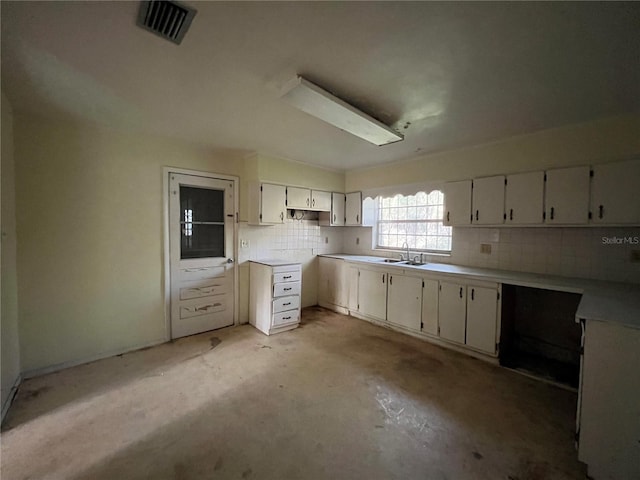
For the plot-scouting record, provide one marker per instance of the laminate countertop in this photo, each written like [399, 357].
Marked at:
[612, 302]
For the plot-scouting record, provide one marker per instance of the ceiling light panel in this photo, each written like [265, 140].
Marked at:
[316, 101]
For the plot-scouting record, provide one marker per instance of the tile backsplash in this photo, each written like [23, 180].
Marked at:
[603, 253]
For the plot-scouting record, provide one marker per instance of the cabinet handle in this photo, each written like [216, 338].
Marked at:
[601, 211]
[334, 218]
[477, 215]
[390, 279]
[313, 203]
[287, 289]
[286, 318]
[551, 214]
[285, 304]
[357, 218]
[460, 292]
[282, 216]
[448, 219]
[383, 278]
[286, 276]
[473, 290]
[307, 202]
[511, 214]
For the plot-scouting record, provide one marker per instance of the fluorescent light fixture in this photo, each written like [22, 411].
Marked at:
[316, 101]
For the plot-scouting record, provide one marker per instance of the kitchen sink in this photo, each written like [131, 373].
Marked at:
[391, 260]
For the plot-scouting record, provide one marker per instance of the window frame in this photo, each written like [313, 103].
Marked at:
[376, 240]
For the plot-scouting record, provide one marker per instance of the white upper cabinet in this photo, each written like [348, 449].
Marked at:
[567, 196]
[353, 209]
[457, 203]
[298, 198]
[320, 201]
[404, 301]
[482, 311]
[334, 217]
[524, 198]
[488, 200]
[267, 204]
[615, 193]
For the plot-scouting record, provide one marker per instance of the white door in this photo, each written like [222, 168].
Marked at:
[614, 193]
[372, 294]
[337, 209]
[404, 301]
[482, 313]
[201, 240]
[457, 203]
[353, 209]
[430, 306]
[452, 306]
[272, 203]
[524, 198]
[567, 195]
[488, 200]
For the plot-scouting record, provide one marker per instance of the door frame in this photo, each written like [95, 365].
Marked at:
[166, 261]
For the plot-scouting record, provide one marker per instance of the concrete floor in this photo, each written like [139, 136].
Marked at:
[337, 398]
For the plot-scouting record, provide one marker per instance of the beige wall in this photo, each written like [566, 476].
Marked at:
[90, 229]
[594, 142]
[8, 283]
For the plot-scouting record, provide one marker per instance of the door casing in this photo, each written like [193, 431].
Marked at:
[166, 272]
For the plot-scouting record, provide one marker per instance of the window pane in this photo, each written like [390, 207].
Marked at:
[201, 222]
[200, 241]
[205, 204]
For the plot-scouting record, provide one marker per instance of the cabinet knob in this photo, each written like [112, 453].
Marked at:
[473, 290]
[448, 215]
[357, 218]
[601, 211]
[551, 213]
[334, 218]
[511, 214]
[477, 212]
[313, 203]
[460, 292]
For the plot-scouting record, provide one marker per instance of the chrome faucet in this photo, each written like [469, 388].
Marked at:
[408, 259]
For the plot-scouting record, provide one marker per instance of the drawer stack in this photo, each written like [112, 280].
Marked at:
[274, 297]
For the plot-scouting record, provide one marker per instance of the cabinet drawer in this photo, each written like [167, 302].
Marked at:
[286, 277]
[285, 289]
[286, 268]
[286, 303]
[284, 318]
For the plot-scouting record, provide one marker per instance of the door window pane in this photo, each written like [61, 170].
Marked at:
[201, 223]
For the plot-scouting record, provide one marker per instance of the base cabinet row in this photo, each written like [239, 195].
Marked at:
[464, 313]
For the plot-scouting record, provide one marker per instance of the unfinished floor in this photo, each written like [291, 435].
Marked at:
[337, 398]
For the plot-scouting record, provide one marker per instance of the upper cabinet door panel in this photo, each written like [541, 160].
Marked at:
[272, 204]
[298, 198]
[567, 196]
[614, 193]
[457, 203]
[337, 209]
[353, 209]
[524, 198]
[488, 200]
[320, 201]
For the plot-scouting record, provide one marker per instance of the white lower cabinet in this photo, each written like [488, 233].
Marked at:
[372, 293]
[452, 311]
[333, 284]
[468, 315]
[404, 301]
[482, 314]
[430, 306]
[274, 296]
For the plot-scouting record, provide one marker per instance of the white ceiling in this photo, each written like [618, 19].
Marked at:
[460, 73]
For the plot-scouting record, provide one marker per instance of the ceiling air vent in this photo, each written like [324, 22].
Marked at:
[169, 20]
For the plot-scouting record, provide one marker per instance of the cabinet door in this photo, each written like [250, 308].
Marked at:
[430, 306]
[482, 314]
[457, 203]
[298, 198]
[404, 301]
[320, 200]
[488, 200]
[353, 209]
[326, 269]
[354, 277]
[337, 209]
[614, 193]
[567, 195]
[341, 286]
[372, 294]
[272, 205]
[452, 306]
[524, 197]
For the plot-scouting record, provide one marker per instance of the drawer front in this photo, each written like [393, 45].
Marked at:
[203, 306]
[286, 268]
[285, 318]
[286, 277]
[286, 303]
[286, 289]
